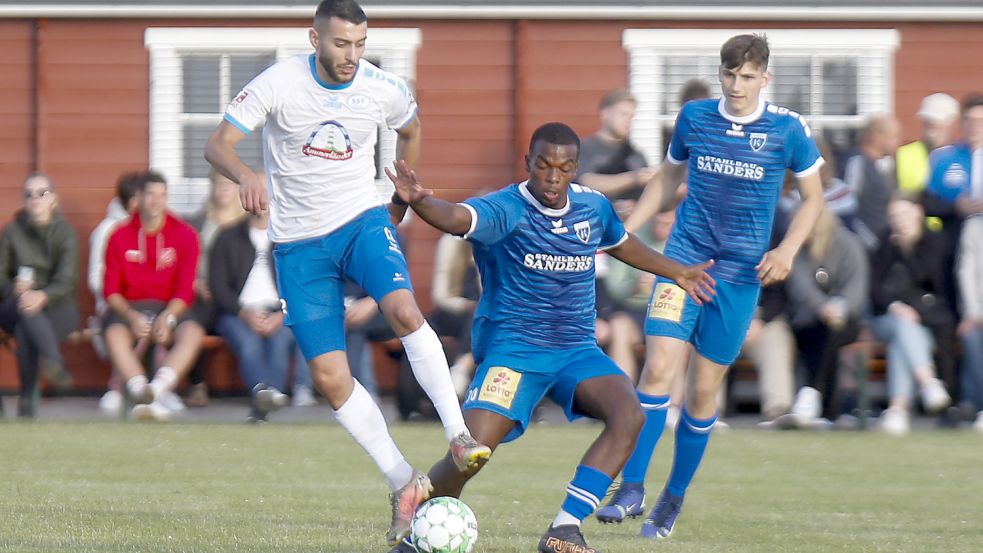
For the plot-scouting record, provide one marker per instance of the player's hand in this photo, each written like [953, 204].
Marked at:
[697, 283]
[161, 332]
[774, 266]
[252, 193]
[407, 184]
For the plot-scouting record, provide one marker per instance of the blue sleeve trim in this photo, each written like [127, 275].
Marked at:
[232, 121]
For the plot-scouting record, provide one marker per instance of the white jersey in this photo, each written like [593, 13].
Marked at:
[319, 141]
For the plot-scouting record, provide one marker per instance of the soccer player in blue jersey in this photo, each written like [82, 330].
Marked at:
[320, 113]
[533, 334]
[736, 149]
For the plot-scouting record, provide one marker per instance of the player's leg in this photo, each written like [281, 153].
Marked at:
[311, 289]
[487, 427]
[718, 338]
[592, 385]
[377, 264]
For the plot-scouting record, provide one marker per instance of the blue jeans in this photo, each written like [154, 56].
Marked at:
[265, 360]
[909, 347]
[972, 374]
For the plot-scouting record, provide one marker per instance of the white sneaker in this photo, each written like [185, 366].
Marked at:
[978, 425]
[895, 421]
[111, 402]
[808, 404]
[304, 397]
[150, 412]
[934, 396]
[170, 401]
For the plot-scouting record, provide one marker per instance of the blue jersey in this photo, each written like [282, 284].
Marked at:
[736, 168]
[951, 174]
[537, 265]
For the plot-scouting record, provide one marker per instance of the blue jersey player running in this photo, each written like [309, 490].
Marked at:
[533, 335]
[737, 150]
[320, 113]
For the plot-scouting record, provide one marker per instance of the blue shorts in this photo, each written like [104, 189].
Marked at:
[511, 381]
[716, 329]
[311, 275]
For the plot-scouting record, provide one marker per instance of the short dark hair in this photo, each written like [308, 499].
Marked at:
[127, 186]
[742, 49]
[972, 100]
[148, 177]
[346, 10]
[615, 97]
[555, 133]
[693, 89]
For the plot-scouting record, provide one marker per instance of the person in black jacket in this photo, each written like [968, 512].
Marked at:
[242, 280]
[912, 313]
[38, 276]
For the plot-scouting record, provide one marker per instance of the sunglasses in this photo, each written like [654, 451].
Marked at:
[37, 194]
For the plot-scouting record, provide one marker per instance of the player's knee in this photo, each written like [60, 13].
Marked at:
[626, 423]
[656, 376]
[405, 317]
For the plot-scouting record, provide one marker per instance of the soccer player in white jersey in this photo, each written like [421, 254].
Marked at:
[320, 114]
[736, 149]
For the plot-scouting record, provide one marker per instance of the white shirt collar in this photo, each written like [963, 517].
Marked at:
[548, 211]
[742, 120]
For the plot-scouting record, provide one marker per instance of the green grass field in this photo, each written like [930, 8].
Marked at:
[308, 488]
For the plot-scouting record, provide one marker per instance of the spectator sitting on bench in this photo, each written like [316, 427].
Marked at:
[912, 313]
[243, 284]
[38, 275]
[148, 286]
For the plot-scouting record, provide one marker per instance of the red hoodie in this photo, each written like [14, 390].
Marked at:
[159, 266]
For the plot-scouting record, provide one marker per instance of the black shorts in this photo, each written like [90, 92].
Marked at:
[150, 308]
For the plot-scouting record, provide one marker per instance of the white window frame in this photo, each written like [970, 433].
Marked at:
[647, 47]
[394, 47]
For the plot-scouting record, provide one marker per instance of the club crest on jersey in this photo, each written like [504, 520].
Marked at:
[330, 140]
[583, 230]
[757, 140]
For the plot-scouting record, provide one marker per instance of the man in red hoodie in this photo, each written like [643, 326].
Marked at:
[150, 268]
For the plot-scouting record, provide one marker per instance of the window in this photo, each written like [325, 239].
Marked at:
[195, 71]
[834, 77]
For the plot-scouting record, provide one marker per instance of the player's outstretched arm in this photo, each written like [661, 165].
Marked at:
[777, 263]
[442, 215]
[692, 278]
[658, 195]
[220, 151]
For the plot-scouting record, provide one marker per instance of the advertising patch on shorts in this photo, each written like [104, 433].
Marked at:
[500, 386]
[667, 302]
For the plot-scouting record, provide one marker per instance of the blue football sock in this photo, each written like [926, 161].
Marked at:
[655, 408]
[585, 491]
[692, 436]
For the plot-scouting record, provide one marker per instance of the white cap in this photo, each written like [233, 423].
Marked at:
[939, 108]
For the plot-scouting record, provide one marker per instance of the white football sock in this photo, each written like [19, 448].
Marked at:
[564, 518]
[361, 417]
[426, 356]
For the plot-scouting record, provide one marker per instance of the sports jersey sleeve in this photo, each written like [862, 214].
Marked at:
[399, 103]
[805, 158]
[249, 108]
[614, 231]
[492, 217]
[678, 150]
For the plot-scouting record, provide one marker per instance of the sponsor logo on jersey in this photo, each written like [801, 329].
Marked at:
[240, 98]
[730, 168]
[778, 110]
[667, 302]
[330, 140]
[559, 263]
[757, 140]
[583, 230]
[557, 227]
[500, 386]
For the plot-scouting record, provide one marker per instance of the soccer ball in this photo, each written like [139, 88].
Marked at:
[444, 525]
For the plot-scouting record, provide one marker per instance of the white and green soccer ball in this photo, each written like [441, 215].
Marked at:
[444, 525]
